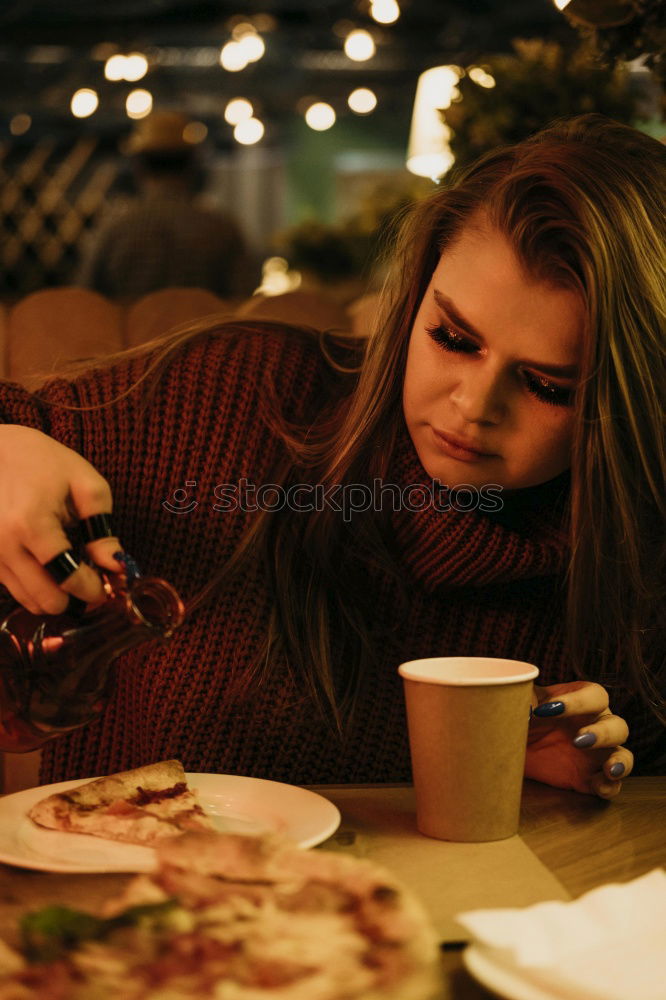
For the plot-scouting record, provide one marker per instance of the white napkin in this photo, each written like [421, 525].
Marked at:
[608, 945]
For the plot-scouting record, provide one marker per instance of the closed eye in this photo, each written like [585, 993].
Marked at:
[451, 339]
[547, 391]
[542, 388]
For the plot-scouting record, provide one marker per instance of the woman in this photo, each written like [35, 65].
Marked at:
[488, 481]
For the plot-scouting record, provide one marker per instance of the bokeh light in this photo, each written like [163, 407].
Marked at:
[277, 278]
[139, 103]
[136, 67]
[362, 101]
[84, 103]
[195, 132]
[232, 57]
[249, 131]
[479, 76]
[20, 124]
[384, 11]
[252, 46]
[359, 45]
[114, 68]
[320, 116]
[237, 110]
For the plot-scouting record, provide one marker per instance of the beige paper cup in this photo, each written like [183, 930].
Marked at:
[467, 718]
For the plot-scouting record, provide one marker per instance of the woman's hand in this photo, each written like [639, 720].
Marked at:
[45, 486]
[575, 741]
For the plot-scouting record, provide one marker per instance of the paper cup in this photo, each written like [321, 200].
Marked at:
[468, 719]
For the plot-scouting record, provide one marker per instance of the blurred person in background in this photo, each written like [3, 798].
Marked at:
[164, 238]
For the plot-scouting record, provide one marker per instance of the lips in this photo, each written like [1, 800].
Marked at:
[463, 444]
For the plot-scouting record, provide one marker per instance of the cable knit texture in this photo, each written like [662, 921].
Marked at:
[477, 584]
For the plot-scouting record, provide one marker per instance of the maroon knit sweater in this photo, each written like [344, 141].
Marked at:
[477, 585]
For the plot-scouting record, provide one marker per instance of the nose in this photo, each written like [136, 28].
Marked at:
[479, 395]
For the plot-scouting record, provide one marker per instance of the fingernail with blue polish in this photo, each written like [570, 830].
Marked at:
[585, 740]
[132, 570]
[548, 709]
[617, 769]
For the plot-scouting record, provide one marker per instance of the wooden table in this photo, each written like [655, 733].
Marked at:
[568, 843]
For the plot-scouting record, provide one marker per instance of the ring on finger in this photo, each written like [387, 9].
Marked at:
[98, 526]
[61, 566]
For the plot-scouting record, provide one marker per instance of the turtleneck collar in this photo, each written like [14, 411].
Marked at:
[452, 548]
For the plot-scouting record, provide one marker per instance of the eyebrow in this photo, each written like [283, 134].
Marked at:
[445, 303]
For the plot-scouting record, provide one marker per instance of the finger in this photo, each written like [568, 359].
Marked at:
[607, 731]
[90, 495]
[102, 543]
[619, 764]
[85, 584]
[567, 700]
[92, 503]
[605, 788]
[49, 597]
[46, 541]
[102, 553]
[41, 539]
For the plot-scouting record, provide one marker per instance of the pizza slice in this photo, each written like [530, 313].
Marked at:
[142, 806]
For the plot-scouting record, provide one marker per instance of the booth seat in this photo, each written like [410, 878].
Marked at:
[49, 329]
[46, 331]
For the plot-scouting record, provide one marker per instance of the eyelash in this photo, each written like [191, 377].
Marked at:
[544, 390]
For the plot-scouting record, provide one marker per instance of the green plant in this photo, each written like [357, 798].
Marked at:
[538, 82]
[621, 30]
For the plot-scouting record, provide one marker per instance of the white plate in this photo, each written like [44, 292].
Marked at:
[237, 805]
[500, 978]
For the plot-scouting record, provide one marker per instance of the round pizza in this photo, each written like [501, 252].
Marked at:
[234, 917]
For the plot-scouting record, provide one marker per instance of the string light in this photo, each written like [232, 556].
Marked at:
[561, 4]
[139, 103]
[385, 11]
[359, 45]
[241, 29]
[84, 103]
[362, 101]
[320, 116]
[249, 131]
[131, 68]
[114, 68]
[136, 67]
[252, 46]
[238, 110]
[232, 57]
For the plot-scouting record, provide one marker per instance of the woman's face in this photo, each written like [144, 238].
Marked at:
[491, 368]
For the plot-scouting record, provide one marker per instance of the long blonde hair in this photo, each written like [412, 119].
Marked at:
[582, 203]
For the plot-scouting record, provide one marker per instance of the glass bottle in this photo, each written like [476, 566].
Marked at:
[56, 670]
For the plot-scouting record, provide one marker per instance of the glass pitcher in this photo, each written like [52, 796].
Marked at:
[56, 670]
